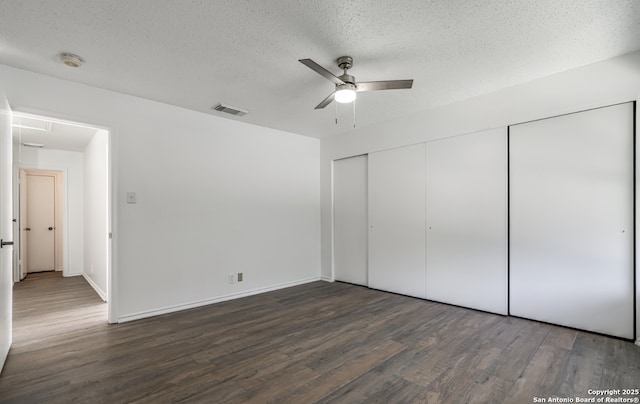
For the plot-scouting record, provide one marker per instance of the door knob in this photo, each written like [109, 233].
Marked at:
[50, 228]
[27, 229]
[4, 243]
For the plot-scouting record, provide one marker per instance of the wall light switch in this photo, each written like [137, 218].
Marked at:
[131, 197]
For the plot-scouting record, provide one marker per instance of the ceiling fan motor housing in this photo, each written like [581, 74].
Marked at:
[347, 78]
[345, 62]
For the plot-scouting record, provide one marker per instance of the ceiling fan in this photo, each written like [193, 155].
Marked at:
[346, 85]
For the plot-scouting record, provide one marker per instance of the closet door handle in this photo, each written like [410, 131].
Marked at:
[4, 243]
[50, 228]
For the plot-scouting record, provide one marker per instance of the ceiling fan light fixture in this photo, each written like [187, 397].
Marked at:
[345, 93]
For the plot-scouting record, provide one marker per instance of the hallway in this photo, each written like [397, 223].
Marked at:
[50, 316]
[49, 307]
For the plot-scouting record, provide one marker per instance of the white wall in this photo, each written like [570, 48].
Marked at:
[604, 83]
[214, 196]
[95, 212]
[72, 166]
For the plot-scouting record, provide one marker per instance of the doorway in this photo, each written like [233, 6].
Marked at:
[62, 169]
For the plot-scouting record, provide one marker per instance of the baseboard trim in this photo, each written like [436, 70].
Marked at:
[327, 278]
[95, 287]
[205, 302]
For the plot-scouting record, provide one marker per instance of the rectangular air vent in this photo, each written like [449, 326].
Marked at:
[38, 145]
[229, 110]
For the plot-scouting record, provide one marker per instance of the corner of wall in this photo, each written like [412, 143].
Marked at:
[95, 287]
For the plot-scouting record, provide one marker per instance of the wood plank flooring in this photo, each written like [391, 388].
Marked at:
[320, 342]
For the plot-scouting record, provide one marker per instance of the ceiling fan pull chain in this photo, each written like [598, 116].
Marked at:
[336, 104]
[354, 113]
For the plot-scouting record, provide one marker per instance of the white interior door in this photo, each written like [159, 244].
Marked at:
[571, 220]
[40, 223]
[350, 220]
[397, 220]
[6, 230]
[467, 220]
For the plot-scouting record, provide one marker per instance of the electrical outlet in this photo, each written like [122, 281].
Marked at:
[232, 278]
[240, 276]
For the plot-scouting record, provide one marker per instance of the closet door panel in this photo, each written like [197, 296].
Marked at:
[350, 220]
[467, 220]
[397, 220]
[571, 220]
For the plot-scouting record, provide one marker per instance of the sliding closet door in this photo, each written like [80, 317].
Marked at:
[571, 220]
[397, 220]
[350, 220]
[467, 220]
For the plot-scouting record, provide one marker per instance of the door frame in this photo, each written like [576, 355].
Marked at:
[6, 229]
[61, 217]
[112, 276]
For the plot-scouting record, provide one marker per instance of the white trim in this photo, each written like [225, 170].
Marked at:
[112, 275]
[205, 302]
[64, 172]
[95, 287]
[333, 226]
[327, 278]
[112, 212]
[636, 212]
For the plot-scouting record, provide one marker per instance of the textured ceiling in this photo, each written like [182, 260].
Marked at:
[195, 54]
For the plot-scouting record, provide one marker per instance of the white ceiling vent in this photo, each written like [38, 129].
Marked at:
[229, 110]
[38, 145]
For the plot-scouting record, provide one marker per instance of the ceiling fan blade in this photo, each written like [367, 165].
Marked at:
[383, 85]
[321, 70]
[326, 101]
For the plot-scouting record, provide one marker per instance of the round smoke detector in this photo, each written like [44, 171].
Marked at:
[70, 59]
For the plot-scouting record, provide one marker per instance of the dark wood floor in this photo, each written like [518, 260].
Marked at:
[320, 342]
